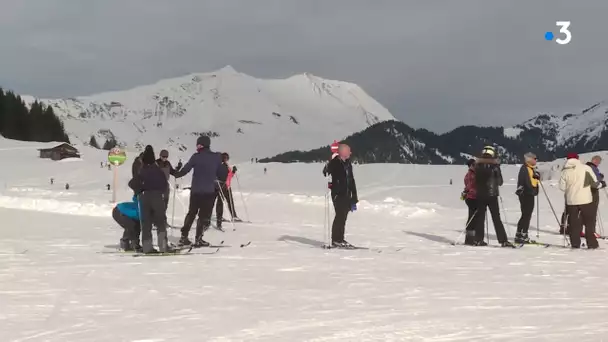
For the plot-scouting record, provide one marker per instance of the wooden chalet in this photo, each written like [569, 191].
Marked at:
[59, 152]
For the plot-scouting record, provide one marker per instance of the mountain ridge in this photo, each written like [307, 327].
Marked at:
[549, 136]
[247, 116]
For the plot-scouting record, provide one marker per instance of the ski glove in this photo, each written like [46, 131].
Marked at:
[179, 166]
[463, 195]
[536, 175]
[353, 207]
[519, 191]
[234, 169]
[603, 184]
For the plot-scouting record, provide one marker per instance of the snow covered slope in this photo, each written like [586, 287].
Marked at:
[246, 116]
[57, 285]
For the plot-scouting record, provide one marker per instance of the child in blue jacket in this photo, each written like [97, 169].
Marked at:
[126, 214]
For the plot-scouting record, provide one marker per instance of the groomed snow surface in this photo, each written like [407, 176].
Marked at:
[55, 285]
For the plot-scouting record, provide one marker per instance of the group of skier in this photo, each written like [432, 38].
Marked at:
[151, 186]
[579, 182]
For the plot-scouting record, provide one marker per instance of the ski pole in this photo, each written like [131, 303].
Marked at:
[549, 201]
[537, 217]
[325, 220]
[487, 230]
[601, 223]
[505, 214]
[465, 227]
[242, 197]
[223, 199]
[173, 206]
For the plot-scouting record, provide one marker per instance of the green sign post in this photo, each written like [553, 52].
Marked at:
[116, 157]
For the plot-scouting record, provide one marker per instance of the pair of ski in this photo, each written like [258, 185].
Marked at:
[518, 245]
[179, 250]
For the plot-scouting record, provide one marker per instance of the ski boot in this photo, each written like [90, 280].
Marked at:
[136, 246]
[184, 241]
[522, 238]
[469, 238]
[236, 219]
[336, 244]
[125, 245]
[346, 244]
[199, 242]
[507, 244]
[480, 243]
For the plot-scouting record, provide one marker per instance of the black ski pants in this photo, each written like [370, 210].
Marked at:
[579, 215]
[471, 221]
[131, 227]
[492, 204]
[526, 204]
[166, 196]
[201, 204]
[342, 205]
[152, 212]
[219, 206]
[596, 204]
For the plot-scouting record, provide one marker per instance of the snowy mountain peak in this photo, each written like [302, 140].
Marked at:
[583, 130]
[244, 115]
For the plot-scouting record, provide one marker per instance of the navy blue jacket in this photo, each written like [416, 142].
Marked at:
[152, 178]
[207, 167]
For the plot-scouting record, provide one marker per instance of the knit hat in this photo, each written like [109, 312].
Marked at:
[572, 155]
[148, 157]
[225, 156]
[164, 154]
[203, 141]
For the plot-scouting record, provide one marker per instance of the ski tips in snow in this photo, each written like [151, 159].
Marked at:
[245, 244]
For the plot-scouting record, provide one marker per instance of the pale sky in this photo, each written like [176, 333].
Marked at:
[434, 64]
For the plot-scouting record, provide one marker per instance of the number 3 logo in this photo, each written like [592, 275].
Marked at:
[564, 29]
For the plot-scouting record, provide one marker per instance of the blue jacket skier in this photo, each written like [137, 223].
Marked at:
[207, 166]
[126, 214]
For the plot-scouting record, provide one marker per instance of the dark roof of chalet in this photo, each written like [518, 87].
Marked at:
[62, 145]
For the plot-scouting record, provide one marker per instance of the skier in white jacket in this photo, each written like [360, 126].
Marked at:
[576, 181]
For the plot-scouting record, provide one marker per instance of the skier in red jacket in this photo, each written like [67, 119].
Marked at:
[469, 195]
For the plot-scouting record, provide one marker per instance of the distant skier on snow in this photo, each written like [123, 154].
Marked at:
[488, 180]
[207, 169]
[527, 189]
[343, 192]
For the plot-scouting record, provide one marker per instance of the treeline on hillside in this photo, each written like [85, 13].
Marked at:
[108, 145]
[39, 123]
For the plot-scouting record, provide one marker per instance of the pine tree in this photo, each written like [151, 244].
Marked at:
[93, 142]
[39, 123]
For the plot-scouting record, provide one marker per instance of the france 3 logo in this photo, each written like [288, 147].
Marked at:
[563, 25]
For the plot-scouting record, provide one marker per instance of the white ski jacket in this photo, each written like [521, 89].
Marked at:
[576, 181]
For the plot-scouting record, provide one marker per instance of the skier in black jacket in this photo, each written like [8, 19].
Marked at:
[343, 193]
[595, 192]
[527, 190]
[488, 180]
[165, 165]
[151, 184]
